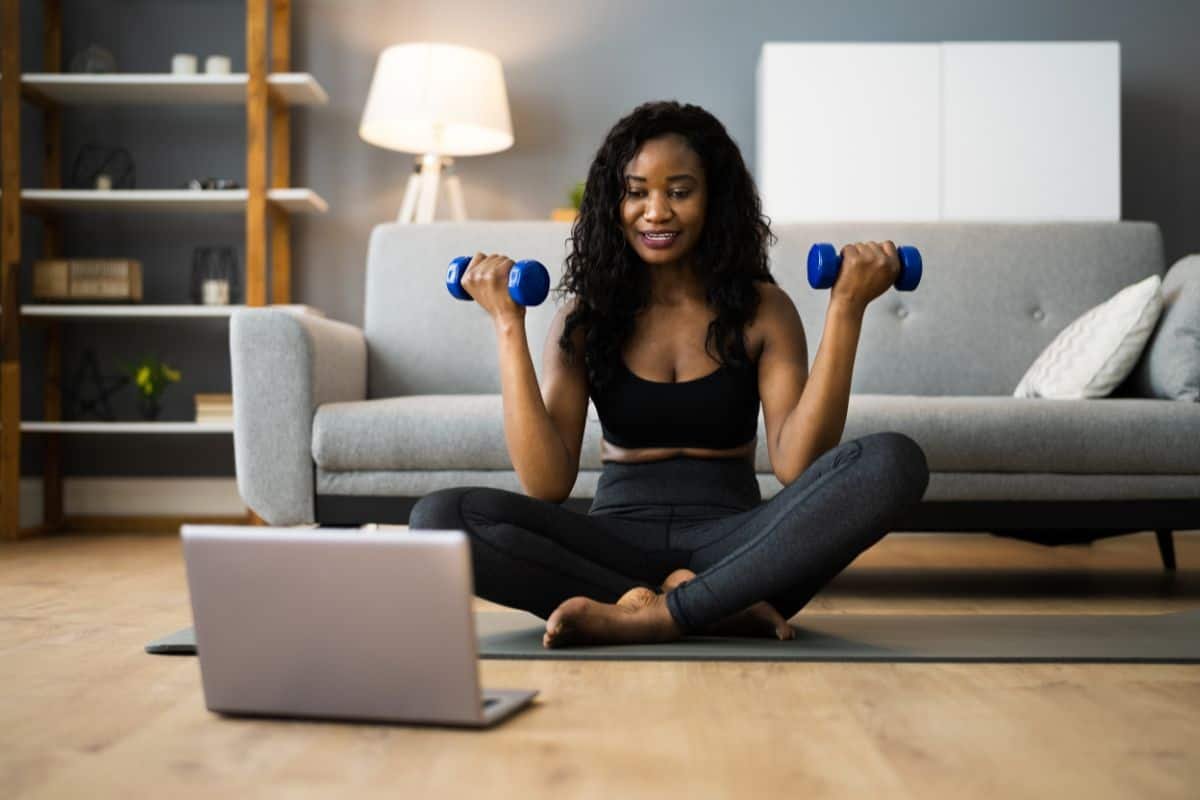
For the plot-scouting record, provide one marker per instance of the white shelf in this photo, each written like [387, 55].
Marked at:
[290, 88]
[138, 311]
[127, 427]
[302, 201]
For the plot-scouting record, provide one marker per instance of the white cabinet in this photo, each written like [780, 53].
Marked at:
[848, 132]
[1031, 131]
[939, 131]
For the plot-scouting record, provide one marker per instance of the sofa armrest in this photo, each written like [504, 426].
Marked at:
[284, 365]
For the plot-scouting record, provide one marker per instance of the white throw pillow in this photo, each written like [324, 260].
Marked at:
[1099, 350]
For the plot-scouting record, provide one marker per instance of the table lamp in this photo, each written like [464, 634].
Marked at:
[436, 100]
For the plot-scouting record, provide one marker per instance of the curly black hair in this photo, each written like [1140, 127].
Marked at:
[611, 282]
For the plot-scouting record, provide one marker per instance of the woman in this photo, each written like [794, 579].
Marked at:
[676, 329]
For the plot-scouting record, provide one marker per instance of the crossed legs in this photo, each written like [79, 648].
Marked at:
[573, 569]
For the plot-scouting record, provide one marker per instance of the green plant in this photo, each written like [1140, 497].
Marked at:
[577, 195]
[150, 375]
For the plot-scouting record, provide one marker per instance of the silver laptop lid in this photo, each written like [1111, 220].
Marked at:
[334, 623]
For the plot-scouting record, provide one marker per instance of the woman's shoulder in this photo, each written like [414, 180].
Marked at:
[776, 315]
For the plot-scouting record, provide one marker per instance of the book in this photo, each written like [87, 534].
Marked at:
[214, 408]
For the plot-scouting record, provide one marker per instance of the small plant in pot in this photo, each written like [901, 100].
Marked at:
[151, 377]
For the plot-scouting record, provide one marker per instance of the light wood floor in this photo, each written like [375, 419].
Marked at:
[85, 713]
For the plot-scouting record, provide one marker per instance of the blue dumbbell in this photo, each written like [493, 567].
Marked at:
[528, 281]
[824, 263]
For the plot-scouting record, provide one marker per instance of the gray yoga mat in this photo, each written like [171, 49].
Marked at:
[1123, 638]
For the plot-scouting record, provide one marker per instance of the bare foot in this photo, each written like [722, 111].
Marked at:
[640, 615]
[637, 597]
[760, 619]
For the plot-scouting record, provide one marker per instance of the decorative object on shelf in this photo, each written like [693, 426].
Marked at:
[198, 184]
[183, 64]
[569, 214]
[87, 280]
[88, 391]
[98, 164]
[151, 377]
[436, 100]
[93, 59]
[214, 408]
[214, 275]
[217, 65]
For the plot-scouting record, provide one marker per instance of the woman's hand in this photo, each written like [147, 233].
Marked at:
[868, 270]
[486, 280]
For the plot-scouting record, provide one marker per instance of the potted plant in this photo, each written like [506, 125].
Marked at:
[151, 377]
[569, 214]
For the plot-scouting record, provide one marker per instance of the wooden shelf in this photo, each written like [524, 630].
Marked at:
[127, 427]
[289, 88]
[267, 92]
[296, 201]
[147, 311]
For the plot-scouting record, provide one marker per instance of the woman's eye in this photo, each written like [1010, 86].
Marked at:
[677, 195]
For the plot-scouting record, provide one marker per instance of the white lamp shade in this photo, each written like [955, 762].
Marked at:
[437, 98]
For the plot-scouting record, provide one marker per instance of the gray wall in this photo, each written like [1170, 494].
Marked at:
[572, 69]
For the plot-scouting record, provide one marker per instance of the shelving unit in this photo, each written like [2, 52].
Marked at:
[268, 90]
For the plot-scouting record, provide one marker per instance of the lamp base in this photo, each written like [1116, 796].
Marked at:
[421, 194]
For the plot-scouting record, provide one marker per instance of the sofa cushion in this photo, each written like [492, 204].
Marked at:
[1098, 350]
[1170, 366]
[958, 434]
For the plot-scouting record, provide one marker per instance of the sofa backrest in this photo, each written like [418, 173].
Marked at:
[992, 297]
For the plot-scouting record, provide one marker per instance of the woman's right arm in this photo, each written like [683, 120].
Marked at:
[544, 434]
[543, 430]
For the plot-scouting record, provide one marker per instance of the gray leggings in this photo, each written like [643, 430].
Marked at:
[707, 515]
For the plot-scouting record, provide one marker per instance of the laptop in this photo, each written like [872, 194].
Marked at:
[347, 624]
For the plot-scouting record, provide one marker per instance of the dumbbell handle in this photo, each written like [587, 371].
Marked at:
[528, 281]
[824, 264]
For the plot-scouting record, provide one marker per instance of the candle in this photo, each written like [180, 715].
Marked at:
[217, 65]
[183, 64]
[216, 292]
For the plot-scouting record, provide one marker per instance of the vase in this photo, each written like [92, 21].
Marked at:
[150, 407]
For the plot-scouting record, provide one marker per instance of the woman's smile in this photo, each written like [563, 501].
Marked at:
[660, 241]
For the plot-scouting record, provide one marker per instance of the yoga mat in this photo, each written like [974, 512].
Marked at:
[1117, 638]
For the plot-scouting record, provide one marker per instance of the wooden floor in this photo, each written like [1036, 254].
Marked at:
[85, 713]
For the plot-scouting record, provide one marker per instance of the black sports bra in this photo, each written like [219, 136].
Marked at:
[717, 411]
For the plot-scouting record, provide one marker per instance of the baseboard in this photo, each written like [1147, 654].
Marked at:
[136, 497]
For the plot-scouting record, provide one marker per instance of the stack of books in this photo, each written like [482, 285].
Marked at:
[214, 408]
[87, 279]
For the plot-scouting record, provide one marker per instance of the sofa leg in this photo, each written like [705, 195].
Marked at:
[1166, 547]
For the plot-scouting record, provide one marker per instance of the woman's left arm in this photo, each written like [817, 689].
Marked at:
[804, 414]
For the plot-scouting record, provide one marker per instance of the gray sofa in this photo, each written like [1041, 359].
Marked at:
[341, 425]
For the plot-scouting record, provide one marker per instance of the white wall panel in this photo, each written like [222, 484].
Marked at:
[953, 131]
[1031, 131]
[848, 131]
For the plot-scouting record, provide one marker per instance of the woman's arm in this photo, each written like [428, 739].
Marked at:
[543, 430]
[805, 415]
[544, 435]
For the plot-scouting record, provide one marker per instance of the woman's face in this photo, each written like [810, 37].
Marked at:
[666, 194]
